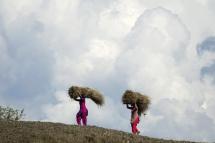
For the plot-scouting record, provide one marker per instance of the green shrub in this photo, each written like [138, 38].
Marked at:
[10, 114]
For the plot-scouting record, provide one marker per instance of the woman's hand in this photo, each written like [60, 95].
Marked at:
[129, 107]
[76, 99]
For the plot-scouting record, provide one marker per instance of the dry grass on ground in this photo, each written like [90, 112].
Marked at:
[44, 132]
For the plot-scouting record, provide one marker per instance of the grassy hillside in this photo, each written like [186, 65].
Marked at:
[40, 132]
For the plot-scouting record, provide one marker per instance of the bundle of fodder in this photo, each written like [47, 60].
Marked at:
[76, 91]
[143, 102]
[131, 97]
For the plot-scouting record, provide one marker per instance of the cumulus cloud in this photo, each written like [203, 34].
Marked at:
[154, 62]
[152, 47]
[27, 71]
[162, 48]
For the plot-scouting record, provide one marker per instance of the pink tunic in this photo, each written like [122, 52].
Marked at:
[83, 107]
[134, 114]
[83, 112]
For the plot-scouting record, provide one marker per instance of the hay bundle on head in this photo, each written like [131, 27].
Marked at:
[129, 97]
[76, 91]
[142, 101]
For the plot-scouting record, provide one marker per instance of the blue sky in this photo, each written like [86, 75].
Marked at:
[162, 48]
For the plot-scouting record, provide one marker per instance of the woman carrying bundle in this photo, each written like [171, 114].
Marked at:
[138, 104]
[83, 112]
[134, 117]
[80, 94]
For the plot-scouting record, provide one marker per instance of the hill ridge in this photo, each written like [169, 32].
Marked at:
[48, 132]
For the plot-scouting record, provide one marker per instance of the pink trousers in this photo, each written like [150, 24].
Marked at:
[82, 116]
[134, 125]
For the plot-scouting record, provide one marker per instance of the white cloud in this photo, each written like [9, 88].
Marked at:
[153, 47]
[154, 60]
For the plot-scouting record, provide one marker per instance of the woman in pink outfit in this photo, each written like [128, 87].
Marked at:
[83, 112]
[134, 118]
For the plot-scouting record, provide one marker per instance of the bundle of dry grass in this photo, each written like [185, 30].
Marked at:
[129, 97]
[142, 101]
[76, 91]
